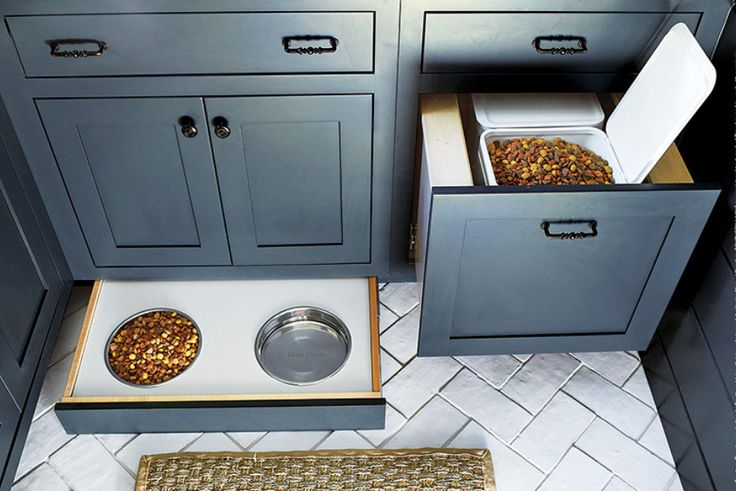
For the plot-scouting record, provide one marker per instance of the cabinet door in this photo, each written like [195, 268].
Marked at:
[295, 176]
[31, 289]
[499, 278]
[145, 194]
[9, 417]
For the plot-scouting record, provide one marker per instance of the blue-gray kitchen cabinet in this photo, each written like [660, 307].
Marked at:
[9, 416]
[295, 177]
[140, 176]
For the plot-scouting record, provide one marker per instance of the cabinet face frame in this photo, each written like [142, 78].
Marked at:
[375, 393]
[449, 197]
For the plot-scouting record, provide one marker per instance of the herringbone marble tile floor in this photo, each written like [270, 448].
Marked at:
[578, 421]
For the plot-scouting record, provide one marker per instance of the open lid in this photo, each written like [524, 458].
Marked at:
[673, 84]
[537, 110]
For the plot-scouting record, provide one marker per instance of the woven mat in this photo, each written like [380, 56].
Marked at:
[380, 470]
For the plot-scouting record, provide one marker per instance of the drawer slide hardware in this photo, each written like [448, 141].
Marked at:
[76, 53]
[310, 50]
[582, 45]
[592, 225]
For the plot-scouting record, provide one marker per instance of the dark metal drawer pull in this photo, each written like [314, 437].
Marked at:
[76, 53]
[592, 224]
[582, 45]
[310, 50]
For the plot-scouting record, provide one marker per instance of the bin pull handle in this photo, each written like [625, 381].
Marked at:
[582, 45]
[592, 225]
[289, 47]
[76, 53]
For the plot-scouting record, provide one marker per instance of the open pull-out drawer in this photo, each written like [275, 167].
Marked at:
[498, 276]
[225, 388]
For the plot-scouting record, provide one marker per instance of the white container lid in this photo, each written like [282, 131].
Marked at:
[537, 110]
[673, 84]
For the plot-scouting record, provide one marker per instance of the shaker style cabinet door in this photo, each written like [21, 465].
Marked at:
[510, 270]
[295, 177]
[141, 179]
[9, 417]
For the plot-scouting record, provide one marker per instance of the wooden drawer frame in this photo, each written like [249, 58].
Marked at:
[230, 412]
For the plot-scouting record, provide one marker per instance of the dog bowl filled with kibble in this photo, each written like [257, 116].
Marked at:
[152, 347]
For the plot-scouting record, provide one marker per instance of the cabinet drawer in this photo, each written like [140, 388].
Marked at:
[494, 281]
[225, 388]
[202, 43]
[476, 42]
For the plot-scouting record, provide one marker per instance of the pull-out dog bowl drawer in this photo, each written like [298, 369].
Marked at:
[226, 388]
[499, 275]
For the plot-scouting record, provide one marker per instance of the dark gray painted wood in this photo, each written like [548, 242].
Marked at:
[144, 193]
[222, 416]
[681, 436]
[9, 416]
[714, 308]
[708, 403]
[206, 43]
[502, 42]
[493, 283]
[295, 177]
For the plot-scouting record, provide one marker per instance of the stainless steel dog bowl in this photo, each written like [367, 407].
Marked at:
[144, 312]
[303, 345]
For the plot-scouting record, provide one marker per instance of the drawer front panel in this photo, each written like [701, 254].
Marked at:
[145, 194]
[524, 42]
[495, 282]
[162, 44]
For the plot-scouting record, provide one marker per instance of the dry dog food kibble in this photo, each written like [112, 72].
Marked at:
[153, 347]
[530, 161]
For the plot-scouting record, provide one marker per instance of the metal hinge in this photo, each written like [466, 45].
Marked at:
[412, 236]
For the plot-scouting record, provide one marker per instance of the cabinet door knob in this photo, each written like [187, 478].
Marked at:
[188, 128]
[221, 127]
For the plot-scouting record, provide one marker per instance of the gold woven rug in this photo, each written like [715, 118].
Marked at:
[422, 469]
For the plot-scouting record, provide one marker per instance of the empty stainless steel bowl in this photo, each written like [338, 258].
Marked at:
[303, 345]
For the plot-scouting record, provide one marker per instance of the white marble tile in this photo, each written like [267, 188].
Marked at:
[610, 402]
[394, 421]
[43, 478]
[400, 297]
[78, 299]
[432, 426]
[289, 440]
[246, 438]
[522, 358]
[113, 442]
[616, 484]
[615, 366]
[401, 339]
[44, 438]
[635, 354]
[53, 386]
[539, 379]
[511, 471]
[66, 341]
[413, 386]
[676, 484]
[630, 461]
[486, 405]
[389, 366]
[344, 440]
[213, 442]
[495, 369]
[549, 436]
[576, 472]
[655, 441]
[386, 317]
[87, 466]
[638, 386]
[153, 443]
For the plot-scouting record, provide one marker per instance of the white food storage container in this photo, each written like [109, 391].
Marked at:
[670, 88]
